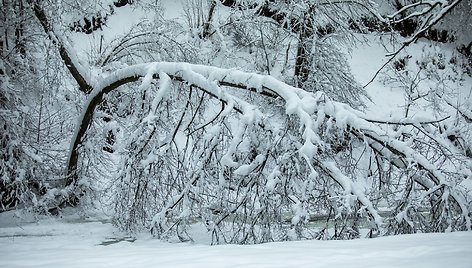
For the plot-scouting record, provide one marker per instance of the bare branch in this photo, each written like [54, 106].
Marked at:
[431, 20]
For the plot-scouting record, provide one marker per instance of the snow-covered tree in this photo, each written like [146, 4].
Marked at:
[251, 158]
[315, 33]
[35, 108]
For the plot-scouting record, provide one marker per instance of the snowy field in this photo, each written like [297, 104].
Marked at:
[70, 242]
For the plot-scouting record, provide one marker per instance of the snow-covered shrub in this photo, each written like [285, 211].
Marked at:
[35, 108]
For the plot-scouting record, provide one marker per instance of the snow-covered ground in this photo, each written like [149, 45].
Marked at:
[71, 242]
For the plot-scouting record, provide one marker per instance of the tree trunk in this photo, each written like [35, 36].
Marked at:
[304, 58]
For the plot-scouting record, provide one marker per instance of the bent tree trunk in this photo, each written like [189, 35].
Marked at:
[76, 70]
[95, 99]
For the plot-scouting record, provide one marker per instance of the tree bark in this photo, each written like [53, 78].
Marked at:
[84, 86]
[85, 124]
[304, 59]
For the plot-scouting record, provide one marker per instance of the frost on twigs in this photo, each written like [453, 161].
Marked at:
[255, 160]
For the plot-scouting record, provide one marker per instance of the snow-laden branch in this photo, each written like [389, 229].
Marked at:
[308, 107]
[351, 187]
[203, 77]
[429, 6]
[399, 152]
[311, 109]
[431, 20]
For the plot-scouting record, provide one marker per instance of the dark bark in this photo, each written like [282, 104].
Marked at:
[206, 25]
[84, 86]
[304, 59]
[85, 124]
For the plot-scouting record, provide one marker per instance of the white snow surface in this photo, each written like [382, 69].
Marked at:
[74, 242]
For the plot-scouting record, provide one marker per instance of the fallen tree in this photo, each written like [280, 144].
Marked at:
[254, 159]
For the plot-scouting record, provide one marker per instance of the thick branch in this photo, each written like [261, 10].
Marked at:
[86, 120]
[133, 74]
[71, 65]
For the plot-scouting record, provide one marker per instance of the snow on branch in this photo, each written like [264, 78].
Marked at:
[432, 19]
[429, 6]
[311, 109]
[400, 153]
[351, 187]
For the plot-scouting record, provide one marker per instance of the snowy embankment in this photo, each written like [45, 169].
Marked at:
[69, 242]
